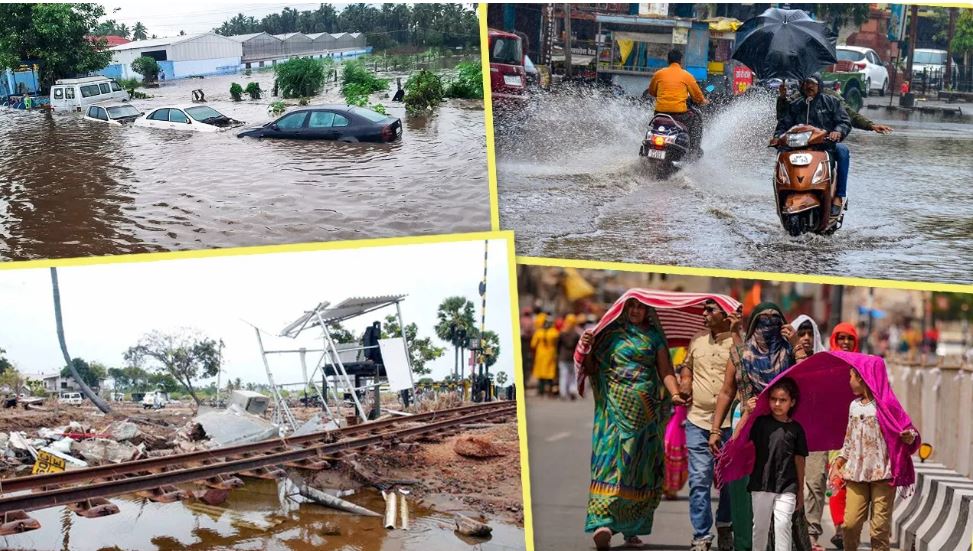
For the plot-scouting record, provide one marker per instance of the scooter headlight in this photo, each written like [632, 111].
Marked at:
[798, 139]
[819, 173]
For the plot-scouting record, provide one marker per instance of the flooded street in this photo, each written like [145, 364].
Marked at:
[70, 187]
[253, 518]
[571, 185]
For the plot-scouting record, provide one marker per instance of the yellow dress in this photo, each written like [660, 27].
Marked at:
[544, 344]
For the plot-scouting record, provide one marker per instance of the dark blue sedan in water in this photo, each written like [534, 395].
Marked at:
[331, 122]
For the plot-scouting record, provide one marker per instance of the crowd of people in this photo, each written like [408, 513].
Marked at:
[665, 416]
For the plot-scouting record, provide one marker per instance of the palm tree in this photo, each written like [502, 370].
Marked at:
[456, 324]
[139, 31]
[123, 31]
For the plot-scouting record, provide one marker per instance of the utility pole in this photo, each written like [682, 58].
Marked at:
[567, 40]
[950, 31]
[913, 31]
[484, 371]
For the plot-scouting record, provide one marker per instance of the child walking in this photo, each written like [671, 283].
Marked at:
[875, 456]
[777, 481]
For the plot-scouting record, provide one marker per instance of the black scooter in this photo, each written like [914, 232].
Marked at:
[667, 144]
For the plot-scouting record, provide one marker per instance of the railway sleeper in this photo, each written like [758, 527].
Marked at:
[223, 482]
[163, 494]
[309, 464]
[265, 473]
[93, 507]
[16, 522]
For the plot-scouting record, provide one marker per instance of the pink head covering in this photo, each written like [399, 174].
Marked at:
[823, 413]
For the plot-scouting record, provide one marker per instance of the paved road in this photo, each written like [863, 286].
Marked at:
[559, 444]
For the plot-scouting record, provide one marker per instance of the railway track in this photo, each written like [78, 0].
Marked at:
[85, 491]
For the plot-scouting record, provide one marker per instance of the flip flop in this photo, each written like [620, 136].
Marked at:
[603, 538]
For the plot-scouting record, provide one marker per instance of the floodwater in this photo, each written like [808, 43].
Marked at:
[572, 186]
[69, 187]
[253, 517]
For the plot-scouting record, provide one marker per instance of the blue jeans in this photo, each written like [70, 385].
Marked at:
[843, 156]
[701, 464]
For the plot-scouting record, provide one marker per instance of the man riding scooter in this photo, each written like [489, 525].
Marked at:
[672, 87]
[824, 112]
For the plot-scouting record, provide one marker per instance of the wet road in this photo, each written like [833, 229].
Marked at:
[559, 437]
[69, 187]
[253, 518]
[572, 186]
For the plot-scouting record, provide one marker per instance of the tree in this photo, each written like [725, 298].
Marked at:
[147, 67]
[92, 374]
[340, 333]
[491, 347]
[963, 37]
[455, 313]
[301, 77]
[501, 378]
[839, 15]
[139, 31]
[422, 351]
[55, 36]
[184, 355]
[130, 379]
[4, 362]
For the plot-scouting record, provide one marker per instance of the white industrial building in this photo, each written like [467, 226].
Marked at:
[213, 54]
[179, 56]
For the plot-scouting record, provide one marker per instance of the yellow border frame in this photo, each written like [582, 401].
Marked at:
[740, 274]
[481, 11]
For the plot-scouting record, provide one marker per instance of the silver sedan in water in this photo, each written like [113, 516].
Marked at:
[195, 118]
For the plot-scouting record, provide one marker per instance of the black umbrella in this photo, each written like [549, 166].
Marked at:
[785, 44]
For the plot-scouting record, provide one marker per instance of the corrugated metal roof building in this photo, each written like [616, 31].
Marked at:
[296, 43]
[259, 46]
[323, 41]
[179, 56]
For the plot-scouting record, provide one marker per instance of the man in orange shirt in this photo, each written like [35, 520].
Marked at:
[672, 87]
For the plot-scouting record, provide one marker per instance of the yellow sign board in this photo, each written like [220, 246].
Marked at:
[47, 463]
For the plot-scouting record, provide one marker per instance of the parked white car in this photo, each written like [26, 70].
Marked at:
[112, 112]
[193, 118]
[931, 62]
[71, 398]
[865, 60]
[77, 93]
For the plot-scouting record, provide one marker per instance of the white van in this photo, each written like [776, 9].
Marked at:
[71, 398]
[76, 93]
[155, 399]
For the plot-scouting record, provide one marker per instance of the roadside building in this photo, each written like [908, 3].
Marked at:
[179, 56]
[55, 384]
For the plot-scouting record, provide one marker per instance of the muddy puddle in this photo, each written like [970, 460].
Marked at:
[254, 517]
[69, 187]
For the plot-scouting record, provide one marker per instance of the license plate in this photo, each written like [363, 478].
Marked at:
[800, 159]
[512, 80]
[657, 154]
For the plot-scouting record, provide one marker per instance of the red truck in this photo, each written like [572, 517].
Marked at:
[508, 77]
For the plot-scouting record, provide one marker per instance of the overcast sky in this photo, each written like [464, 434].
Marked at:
[107, 308]
[168, 18]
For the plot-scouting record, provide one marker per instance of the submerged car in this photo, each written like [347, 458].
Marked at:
[331, 122]
[195, 118]
[113, 112]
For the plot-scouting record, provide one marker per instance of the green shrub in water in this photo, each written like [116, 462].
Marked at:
[276, 108]
[468, 82]
[300, 77]
[423, 90]
[355, 74]
[378, 108]
[253, 90]
[303, 101]
[236, 92]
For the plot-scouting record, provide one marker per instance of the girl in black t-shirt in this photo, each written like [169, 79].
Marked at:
[777, 481]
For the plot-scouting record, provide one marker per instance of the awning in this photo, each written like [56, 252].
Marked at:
[346, 309]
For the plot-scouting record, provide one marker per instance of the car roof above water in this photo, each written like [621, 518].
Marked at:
[85, 80]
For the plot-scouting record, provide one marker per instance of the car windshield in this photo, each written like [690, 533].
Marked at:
[850, 55]
[120, 111]
[203, 113]
[369, 114]
[930, 58]
[506, 50]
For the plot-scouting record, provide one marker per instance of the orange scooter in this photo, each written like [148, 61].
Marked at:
[805, 181]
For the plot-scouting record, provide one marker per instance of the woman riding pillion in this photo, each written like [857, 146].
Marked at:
[632, 380]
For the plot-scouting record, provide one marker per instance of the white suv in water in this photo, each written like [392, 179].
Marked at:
[193, 118]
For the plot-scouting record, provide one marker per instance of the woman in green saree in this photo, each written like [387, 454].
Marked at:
[632, 380]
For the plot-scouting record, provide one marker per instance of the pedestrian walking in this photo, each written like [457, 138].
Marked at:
[544, 344]
[844, 337]
[777, 479]
[568, 340]
[875, 458]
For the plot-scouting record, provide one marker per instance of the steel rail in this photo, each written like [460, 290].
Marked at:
[64, 496]
[216, 454]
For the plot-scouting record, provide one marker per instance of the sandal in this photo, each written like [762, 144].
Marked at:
[603, 538]
[633, 541]
[837, 207]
